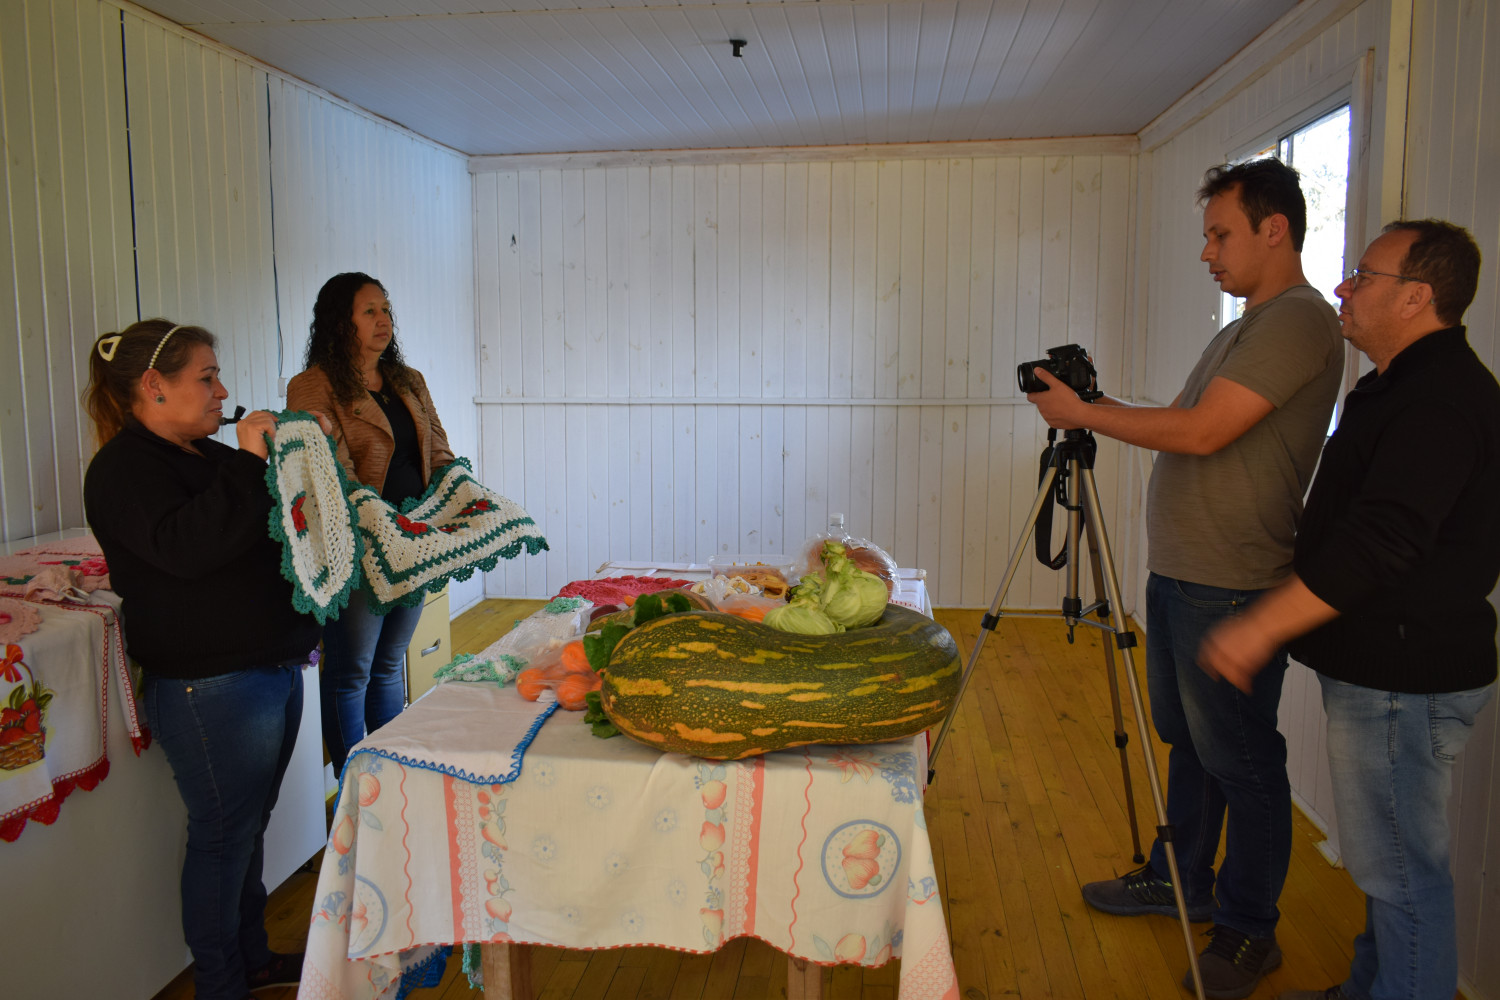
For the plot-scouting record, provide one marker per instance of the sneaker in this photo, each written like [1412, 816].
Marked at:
[281, 970]
[1233, 964]
[1332, 993]
[1141, 891]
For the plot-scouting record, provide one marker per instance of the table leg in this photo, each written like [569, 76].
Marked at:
[804, 980]
[507, 971]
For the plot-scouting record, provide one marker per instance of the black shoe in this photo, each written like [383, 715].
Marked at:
[1141, 891]
[281, 970]
[1233, 963]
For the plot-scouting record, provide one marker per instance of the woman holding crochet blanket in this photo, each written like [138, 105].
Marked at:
[389, 438]
[182, 520]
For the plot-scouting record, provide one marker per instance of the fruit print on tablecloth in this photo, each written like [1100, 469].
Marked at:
[859, 858]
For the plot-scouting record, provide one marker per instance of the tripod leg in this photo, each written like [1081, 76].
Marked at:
[1122, 739]
[1122, 634]
[988, 622]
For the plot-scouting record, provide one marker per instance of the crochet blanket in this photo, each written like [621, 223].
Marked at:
[337, 535]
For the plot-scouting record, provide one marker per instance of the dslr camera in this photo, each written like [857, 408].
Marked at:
[1069, 364]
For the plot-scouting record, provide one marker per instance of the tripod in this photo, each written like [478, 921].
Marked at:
[1073, 459]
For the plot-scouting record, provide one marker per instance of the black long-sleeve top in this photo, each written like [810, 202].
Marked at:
[1400, 532]
[190, 553]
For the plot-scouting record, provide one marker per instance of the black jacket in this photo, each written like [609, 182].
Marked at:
[189, 550]
[1401, 532]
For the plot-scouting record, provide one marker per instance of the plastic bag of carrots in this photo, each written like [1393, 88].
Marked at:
[569, 678]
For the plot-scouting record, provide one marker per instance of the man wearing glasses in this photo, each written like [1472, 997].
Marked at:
[1237, 449]
[1397, 555]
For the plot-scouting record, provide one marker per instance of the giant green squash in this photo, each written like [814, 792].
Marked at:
[713, 685]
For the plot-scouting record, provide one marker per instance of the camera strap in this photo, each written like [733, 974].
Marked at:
[1043, 535]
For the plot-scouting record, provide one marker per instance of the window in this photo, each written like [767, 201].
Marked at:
[1319, 151]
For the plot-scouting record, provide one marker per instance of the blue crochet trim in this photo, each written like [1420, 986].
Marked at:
[516, 757]
[428, 972]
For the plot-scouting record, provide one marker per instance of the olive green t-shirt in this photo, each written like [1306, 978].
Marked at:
[1229, 519]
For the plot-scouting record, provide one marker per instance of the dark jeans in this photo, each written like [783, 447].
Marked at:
[229, 739]
[1226, 758]
[364, 673]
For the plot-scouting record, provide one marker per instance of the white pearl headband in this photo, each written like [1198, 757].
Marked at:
[159, 346]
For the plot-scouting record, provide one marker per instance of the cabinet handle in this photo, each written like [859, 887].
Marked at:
[433, 648]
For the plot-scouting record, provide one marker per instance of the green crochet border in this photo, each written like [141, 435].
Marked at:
[531, 543]
[301, 600]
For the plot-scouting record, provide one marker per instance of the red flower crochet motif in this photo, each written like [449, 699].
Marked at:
[411, 527]
[299, 519]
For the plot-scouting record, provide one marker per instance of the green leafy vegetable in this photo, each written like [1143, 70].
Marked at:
[594, 715]
[598, 645]
[804, 619]
[844, 594]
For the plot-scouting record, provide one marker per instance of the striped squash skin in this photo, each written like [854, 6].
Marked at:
[713, 685]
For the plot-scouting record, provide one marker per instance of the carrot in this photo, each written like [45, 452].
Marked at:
[574, 660]
[573, 689]
[530, 683]
[750, 612]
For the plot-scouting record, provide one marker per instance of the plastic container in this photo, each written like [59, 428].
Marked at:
[760, 569]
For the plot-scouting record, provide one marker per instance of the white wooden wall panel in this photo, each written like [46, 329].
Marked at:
[65, 266]
[747, 347]
[202, 200]
[1453, 154]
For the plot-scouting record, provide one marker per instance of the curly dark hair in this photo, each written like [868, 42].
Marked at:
[331, 344]
[118, 360]
[1267, 187]
[1444, 256]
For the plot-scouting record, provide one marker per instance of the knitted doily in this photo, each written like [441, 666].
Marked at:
[311, 518]
[456, 527]
[336, 536]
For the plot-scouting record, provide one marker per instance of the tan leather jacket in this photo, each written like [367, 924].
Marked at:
[362, 433]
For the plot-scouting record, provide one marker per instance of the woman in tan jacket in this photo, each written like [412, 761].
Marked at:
[389, 438]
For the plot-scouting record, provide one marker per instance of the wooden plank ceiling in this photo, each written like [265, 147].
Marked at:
[553, 76]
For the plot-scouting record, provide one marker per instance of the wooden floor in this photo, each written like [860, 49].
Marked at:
[1028, 803]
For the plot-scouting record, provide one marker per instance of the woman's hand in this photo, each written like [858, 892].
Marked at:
[251, 432]
[323, 422]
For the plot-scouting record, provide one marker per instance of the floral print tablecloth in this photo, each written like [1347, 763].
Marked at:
[821, 851]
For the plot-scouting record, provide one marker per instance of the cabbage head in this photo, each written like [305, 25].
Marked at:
[804, 619]
[854, 598]
[850, 596]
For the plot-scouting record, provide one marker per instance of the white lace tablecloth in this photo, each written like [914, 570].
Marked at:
[820, 851]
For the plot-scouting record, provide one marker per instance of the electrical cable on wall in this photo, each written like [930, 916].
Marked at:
[135, 257]
[275, 280]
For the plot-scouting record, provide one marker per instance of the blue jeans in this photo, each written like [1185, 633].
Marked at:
[1226, 758]
[229, 739]
[1391, 758]
[364, 673]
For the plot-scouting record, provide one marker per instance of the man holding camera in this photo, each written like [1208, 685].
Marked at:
[1395, 562]
[1238, 446]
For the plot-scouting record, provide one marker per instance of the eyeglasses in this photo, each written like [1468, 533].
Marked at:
[1357, 275]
